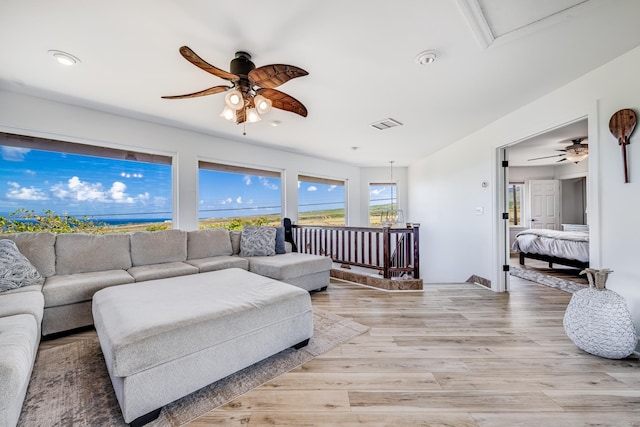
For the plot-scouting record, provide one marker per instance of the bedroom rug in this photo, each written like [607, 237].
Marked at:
[70, 384]
[543, 279]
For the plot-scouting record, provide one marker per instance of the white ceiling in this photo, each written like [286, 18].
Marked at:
[359, 55]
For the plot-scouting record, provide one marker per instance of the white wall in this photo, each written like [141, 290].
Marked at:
[27, 115]
[525, 173]
[444, 188]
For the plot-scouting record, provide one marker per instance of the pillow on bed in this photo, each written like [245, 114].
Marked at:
[258, 241]
[15, 269]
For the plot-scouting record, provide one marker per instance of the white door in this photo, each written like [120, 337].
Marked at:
[544, 204]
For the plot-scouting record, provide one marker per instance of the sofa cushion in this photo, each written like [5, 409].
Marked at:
[219, 263]
[15, 268]
[85, 253]
[73, 288]
[142, 273]
[38, 248]
[258, 241]
[235, 236]
[19, 336]
[289, 265]
[156, 247]
[22, 303]
[207, 243]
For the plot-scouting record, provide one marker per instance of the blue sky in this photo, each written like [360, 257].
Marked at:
[103, 188]
[82, 185]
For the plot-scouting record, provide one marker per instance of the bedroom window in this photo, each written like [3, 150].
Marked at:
[383, 198]
[44, 178]
[321, 201]
[515, 197]
[232, 196]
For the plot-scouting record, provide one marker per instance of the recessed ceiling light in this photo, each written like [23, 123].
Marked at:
[426, 57]
[275, 123]
[64, 58]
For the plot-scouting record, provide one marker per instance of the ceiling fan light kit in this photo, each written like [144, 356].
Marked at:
[576, 152]
[234, 100]
[252, 93]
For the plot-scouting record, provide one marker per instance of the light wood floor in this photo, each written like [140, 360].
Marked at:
[451, 355]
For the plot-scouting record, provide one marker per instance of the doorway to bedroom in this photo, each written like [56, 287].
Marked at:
[547, 201]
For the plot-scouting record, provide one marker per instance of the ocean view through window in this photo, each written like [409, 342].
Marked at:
[116, 189]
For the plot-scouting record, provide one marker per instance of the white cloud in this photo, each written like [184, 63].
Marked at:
[83, 191]
[312, 188]
[159, 201]
[14, 154]
[117, 191]
[332, 187]
[268, 184]
[16, 192]
[239, 200]
[377, 191]
[247, 179]
[30, 172]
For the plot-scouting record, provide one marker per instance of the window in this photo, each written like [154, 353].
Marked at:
[383, 202]
[321, 201]
[108, 186]
[231, 196]
[515, 196]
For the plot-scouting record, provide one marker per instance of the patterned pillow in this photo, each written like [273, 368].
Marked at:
[258, 241]
[15, 269]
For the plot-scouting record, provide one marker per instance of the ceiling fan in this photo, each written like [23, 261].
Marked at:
[576, 152]
[252, 91]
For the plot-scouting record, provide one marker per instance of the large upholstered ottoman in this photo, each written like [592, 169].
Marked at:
[166, 338]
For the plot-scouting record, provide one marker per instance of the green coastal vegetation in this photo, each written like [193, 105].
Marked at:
[23, 220]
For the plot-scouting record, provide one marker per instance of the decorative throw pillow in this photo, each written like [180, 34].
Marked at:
[257, 241]
[15, 269]
[280, 248]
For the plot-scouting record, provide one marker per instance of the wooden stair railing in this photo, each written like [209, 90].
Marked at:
[395, 252]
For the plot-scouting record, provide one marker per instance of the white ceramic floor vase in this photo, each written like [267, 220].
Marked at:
[598, 321]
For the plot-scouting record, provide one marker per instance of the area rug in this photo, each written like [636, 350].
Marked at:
[70, 384]
[543, 279]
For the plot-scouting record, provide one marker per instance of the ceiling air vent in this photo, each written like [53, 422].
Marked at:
[386, 124]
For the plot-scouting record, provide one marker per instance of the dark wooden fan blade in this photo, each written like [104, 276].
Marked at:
[270, 76]
[210, 91]
[191, 56]
[283, 101]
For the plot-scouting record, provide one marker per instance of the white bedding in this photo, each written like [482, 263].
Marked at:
[560, 244]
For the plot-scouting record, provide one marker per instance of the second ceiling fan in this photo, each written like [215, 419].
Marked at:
[252, 91]
[576, 152]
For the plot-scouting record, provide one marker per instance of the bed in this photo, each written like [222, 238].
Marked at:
[553, 246]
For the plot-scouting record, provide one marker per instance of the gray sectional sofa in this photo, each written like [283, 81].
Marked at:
[75, 266]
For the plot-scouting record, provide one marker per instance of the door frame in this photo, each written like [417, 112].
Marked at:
[500, 241]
